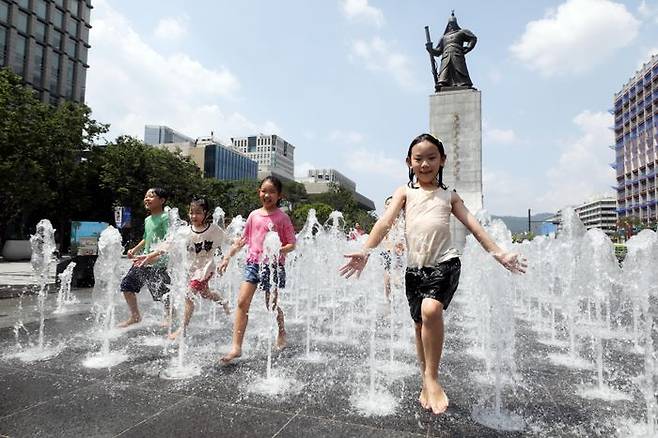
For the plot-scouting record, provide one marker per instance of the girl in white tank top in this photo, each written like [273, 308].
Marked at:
[433, 264]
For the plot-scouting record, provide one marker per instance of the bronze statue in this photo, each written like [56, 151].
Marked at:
[455, 43]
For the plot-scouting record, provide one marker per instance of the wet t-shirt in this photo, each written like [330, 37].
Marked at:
[201, 251]
[258, 224]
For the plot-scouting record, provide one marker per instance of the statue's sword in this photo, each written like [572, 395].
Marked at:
[432, 60]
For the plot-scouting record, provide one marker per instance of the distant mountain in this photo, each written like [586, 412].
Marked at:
[519, 224]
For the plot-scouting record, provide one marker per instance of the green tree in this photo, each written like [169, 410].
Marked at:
[129, 167]
[300, 214]
[343, 200]
[41, 147]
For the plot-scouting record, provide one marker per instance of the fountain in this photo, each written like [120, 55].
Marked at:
[495, 334]
[275, 383]
[64, 296]
[107, 277]
[177, 266]
[43, 248]
[551, 353]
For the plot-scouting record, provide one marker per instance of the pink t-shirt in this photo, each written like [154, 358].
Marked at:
[257, 226]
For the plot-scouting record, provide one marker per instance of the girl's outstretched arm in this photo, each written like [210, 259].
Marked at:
[235, 248]
[358, 260]
[511, 261]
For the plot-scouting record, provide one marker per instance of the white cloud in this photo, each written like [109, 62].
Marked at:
[346, 137]
[360, 10]
[369, 162]
[648, 11]
[507, 194]
[378, 55]
[130, 84]
[583, 167]
[575, 37]
[170, 29]
[500, 136]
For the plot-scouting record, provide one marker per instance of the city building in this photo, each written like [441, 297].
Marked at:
[324, 177]
[274, 155]
[213, 158]
[46, 43]
[160, 134]
[597, 212]
[636, 143]
[322, 180]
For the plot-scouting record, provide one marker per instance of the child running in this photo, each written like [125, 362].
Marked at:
[155, 277]
[205, 239]
[257, 269]
[433, 265]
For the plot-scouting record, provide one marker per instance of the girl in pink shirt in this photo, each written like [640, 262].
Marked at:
[259, 270]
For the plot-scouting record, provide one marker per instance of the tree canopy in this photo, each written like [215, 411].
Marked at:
[52, 168]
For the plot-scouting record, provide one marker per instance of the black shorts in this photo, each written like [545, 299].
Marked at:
[436, 282]
[155, 278]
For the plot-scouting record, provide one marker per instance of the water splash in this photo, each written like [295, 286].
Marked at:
[107, 275]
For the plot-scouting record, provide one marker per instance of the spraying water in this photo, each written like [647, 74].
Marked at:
[43, 248]
[64, 296]
[107, 275]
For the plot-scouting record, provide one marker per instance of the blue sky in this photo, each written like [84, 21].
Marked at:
[347, 82]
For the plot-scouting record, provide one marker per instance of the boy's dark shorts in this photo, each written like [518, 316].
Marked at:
[436, 282]
[254, 274]
[155, 278]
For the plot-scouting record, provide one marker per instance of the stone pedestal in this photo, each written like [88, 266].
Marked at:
[456, 120]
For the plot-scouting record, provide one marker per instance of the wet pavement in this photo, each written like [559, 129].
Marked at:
[62, 397]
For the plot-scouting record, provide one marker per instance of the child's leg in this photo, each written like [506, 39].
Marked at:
[216, 297]
[420, 352]
[189, 310]
[281, 337]
[135, 317]
[432, 339]
[245, 296]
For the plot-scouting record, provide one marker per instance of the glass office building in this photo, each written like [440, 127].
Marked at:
[636, 144]
[46, 42]
[225, 163]
[160, 134]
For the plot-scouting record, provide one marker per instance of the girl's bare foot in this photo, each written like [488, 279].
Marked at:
[228, 357]
[226, 308]
[281, 340]
[423, 399]
[436, 397]
[130, 321]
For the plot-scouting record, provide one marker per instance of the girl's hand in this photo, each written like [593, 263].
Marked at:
[355, 265]
[513, 262]
[130, 253]
[221, 268]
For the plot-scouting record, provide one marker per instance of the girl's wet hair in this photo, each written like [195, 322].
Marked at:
[276, 182]
[202, 201]
[159, 192]
[436, 142]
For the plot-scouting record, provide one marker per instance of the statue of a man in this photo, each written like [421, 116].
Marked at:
[455, 43]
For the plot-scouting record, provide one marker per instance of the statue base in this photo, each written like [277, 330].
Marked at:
[456, 120]
[443, 89]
